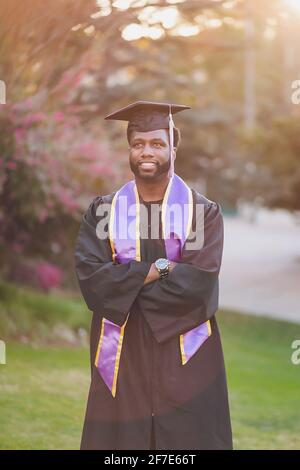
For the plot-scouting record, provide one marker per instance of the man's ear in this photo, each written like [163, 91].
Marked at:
[174, 152]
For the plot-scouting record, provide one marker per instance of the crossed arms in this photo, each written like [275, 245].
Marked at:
[182, 300]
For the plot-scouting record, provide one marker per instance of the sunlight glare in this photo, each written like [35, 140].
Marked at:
[292, 5]
[136, 31]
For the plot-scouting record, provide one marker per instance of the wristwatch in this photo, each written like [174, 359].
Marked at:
[162, 265]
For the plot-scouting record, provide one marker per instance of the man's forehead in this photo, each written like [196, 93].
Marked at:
[156, 134]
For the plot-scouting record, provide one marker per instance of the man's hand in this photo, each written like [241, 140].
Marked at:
[153, 274]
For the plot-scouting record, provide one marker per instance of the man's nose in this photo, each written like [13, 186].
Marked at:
[147, 150]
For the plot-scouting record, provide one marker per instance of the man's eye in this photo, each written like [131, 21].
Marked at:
[157, 144]
[137, 145]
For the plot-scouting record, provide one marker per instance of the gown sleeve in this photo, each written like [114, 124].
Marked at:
[188, 296]
[99, 278]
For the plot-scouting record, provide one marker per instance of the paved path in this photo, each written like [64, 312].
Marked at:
[260, 272]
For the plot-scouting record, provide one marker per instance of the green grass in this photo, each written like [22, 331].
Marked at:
[43, 394]
[264, 385]
[43, 388]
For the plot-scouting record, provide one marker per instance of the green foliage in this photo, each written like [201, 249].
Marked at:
[275, 155]
[30, 316]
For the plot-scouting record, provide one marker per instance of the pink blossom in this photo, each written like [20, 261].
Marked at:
[32, 118]
[48, 275]
[43, 215]
[17, 247]
[58, 116]
[99, 169]
[19, 134]
[11, 165]
[67, 200]
[50, 204]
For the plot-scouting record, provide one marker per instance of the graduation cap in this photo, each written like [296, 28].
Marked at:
[145, 116]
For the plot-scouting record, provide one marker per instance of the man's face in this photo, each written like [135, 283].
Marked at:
[149, 154]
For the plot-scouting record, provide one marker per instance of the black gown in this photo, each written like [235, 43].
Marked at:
[160, 403]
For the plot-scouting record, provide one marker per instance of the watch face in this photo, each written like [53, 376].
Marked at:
[161, 263]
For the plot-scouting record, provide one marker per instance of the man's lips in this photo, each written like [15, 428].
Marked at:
[147, 165]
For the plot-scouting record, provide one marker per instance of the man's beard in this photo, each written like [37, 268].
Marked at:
[162, 168]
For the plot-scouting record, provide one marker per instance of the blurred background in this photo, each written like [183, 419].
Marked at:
[63, 67]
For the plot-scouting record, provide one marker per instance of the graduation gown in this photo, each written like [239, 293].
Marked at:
[160, 403]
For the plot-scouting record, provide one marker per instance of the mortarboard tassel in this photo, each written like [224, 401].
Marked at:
[171, 140]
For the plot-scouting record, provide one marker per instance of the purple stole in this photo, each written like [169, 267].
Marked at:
[124, 238]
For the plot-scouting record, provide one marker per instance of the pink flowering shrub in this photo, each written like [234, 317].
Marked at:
[48, 276]
[59, 159]
[39, 274]
[51, 166]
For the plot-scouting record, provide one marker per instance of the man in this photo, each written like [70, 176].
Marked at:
[158, 376]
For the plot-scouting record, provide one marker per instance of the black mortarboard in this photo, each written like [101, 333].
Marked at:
[145, 116]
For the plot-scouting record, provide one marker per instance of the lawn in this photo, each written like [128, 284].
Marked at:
[43, 388]
[42, 397]
[264, 385]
